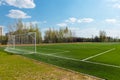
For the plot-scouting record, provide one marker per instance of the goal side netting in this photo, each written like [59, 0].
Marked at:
[22, 43]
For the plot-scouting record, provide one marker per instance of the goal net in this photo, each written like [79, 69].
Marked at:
[22, 43]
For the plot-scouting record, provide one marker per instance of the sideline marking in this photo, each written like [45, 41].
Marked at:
[18, 51]
[59, 56]
[82, 60]
[97, 54]
[103, 64]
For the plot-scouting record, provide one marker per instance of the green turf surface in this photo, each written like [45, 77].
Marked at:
[76, 51]
[79, 52]
[112, 57]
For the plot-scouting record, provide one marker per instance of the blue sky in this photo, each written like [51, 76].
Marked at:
[84, 17]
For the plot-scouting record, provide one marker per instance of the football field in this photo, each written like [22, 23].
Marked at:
[98, 59]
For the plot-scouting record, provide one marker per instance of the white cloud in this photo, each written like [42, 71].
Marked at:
[87, 32]
[71, 20]
[82, 20]
[17, 14]
[62, 24]
[114, 0]
[113, 21]
[114, 3]
[117, 5]
[87, 20]
[79, 21]
[39, 22]
[20, 3]
[35, 22]
[74, 20]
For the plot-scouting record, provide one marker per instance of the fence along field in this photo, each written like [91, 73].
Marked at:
[90, 58]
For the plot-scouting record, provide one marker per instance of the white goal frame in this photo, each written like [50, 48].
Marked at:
[11, 45]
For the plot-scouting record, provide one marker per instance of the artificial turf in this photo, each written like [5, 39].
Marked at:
[81, 51]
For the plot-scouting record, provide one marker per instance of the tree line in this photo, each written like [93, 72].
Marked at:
[102, 37]
[57, 36]
[62, 35]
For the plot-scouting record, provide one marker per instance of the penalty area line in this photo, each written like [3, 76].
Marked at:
[98, 54]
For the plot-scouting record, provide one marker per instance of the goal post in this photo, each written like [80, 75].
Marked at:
[34, 37]
[22, 43]
[11, 41]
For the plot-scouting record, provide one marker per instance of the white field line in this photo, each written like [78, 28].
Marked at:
[52, 49]
[28, 52]
[59, 57]
[16, 51]
[80, 60]
[102, 64]
[61, 52]
[97, 55]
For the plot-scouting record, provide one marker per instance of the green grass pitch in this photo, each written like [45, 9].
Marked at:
[97, 59]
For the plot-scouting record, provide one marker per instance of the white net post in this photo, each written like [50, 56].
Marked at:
[34, 38]
[14, 41]
[35, 42]
[11, 41]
